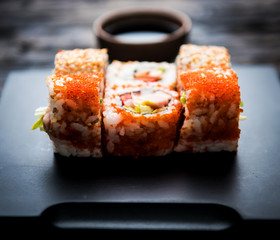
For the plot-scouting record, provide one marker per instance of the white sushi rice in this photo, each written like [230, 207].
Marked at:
[81, 60]
[194, 56]
[67, 149]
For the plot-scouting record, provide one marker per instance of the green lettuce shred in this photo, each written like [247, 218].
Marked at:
[241, 118]
[144, 109]
[161, 69]
[143, 106]
[183, 98]
[140, 108]
[39, 112]
[38, 124]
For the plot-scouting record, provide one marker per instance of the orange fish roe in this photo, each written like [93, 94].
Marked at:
[222, 83]
[150, 143]
[81, 88]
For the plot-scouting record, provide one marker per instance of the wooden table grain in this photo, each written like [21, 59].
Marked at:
[31, 32]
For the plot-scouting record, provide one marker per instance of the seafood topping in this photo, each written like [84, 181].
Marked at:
[145, 101]
[153, 75]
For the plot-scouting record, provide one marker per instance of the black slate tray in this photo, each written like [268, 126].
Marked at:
[217, 192]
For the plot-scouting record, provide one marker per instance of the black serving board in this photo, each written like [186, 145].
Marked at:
[180, 192]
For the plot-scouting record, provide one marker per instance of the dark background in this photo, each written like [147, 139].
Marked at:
[32, 31]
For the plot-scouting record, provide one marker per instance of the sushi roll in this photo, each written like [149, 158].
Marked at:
[140, 121]
[195, 56]
[81, 60]
[73, 118]
[192, 56]
[135, 72]
[211, 98]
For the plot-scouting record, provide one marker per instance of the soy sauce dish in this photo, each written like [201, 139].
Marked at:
[143, 34]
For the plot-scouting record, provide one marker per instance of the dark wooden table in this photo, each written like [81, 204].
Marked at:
[31, 32]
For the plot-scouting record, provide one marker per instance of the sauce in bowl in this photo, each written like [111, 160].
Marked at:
[141, 36]
[144, 34]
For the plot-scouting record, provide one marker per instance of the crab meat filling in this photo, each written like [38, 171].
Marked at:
[146, 101]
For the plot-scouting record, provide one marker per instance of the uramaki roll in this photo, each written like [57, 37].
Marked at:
[137, 72]
[73, 119]
[140, 120]
[212, 107]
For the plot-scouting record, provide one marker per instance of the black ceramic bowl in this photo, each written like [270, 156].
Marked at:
[142, 34]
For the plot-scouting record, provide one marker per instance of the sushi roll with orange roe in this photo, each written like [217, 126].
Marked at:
[211, 97]
[141, 120]
[73, 119]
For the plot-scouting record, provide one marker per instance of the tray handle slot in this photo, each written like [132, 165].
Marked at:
[141, 216]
